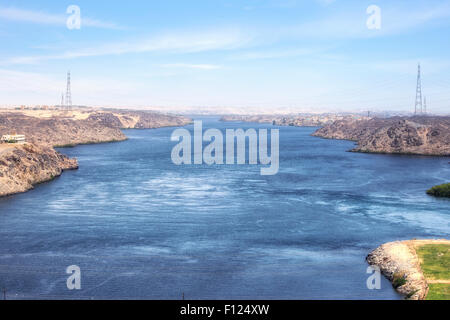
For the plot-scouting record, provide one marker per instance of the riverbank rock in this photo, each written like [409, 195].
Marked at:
[137, 119]
[74, 128]
[58, 131]
[23, 166]
[301, 120]
[398, 135]
[398, 261]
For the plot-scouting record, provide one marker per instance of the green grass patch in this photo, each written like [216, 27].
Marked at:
[435, 260]
[440, 191]
[439, 291]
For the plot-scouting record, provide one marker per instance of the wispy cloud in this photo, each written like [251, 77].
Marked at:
[32, 88]
[325, 2]
[40, 17]
[351, 24]
[409, 66]
[342, 25]
[282, 4]
[191, 66]
[275, 54]
[11, 80]
[182, 42]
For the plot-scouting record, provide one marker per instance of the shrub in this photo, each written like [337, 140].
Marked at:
[409, 295]
[440, 191]
[398, 280]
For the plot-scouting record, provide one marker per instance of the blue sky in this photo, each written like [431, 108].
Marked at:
[293, 55]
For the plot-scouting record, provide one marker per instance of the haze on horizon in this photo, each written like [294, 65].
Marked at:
[267, 55]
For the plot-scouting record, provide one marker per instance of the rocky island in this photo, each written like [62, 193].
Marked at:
[24, 165]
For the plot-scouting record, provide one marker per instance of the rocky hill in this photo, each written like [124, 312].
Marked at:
[58, 131]
[413, 135]
[97, 127]
[301, 120]
[23, 166]
[137, 119]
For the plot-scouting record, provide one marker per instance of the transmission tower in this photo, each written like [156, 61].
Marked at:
[68, 93]
[425, 105]
[62, 100]
[419, 106]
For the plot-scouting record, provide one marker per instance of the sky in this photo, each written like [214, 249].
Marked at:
[265, 55]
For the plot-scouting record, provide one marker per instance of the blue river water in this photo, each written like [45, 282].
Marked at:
[140, 227]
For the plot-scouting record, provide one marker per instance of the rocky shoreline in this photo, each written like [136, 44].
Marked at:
[302, 120]
[24, 166]
[398, 261]
[64, 130]
[419, 135]
[415, 135]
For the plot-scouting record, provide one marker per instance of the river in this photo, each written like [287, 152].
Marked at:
[140, 227]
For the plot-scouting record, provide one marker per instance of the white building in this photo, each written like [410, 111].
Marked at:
[14, 138]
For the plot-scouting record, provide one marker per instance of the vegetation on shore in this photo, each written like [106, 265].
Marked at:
[73, 145]
[435, 261]
[435, 265]
[439, 291]
[417, 269]
[442, 191]
[398, 280]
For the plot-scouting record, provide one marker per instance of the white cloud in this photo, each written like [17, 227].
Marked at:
[16, 81]
[275, 54]
[40, 17]
[351, 24]
[343, 25]
[325, 2]
[18, 87]
[183, 42]
[191, 66]
[409, 66]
